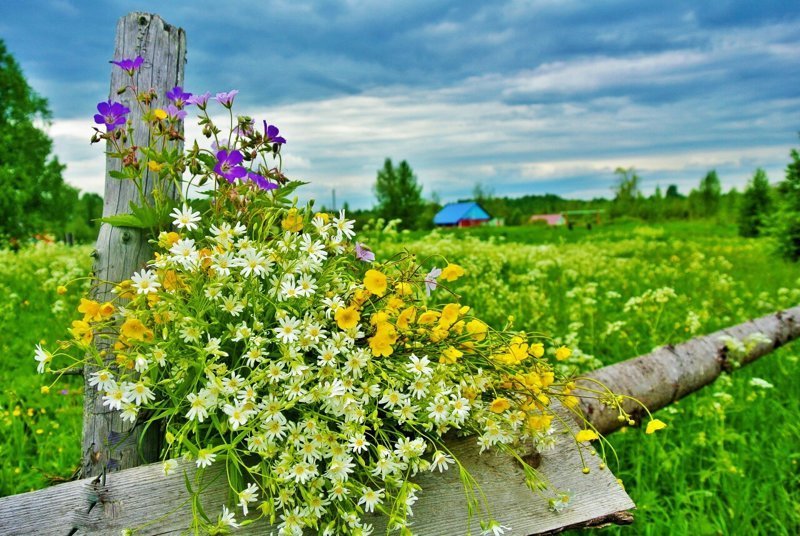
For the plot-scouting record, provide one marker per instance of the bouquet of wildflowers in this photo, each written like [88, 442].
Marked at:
[264, 336]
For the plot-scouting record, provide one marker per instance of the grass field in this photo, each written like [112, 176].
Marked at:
[727, 464]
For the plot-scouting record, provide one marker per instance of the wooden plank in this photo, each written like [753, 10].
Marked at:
[142, 498]
[108, 442]
[667, 374]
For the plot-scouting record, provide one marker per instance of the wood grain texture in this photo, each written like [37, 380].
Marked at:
[142, 498]
[109, 443]
[669, 373]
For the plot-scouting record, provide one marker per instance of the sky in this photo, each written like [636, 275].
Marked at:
[520, 96]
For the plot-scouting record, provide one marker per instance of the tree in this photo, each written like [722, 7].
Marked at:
[398, 193]
[33, 197]
[704, 201]
[626, 192]
[755, 206]
[785, 227]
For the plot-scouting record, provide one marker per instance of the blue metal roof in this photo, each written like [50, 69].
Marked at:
[454, 212]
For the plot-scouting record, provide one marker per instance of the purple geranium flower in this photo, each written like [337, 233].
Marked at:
[430, 280]
[199, 100]
[112, 115]
[174, 112]
[178, 96]
[228, 165]
[129, 65]
[271, 133]
[261, 181]
[226, 99]
[363, 253]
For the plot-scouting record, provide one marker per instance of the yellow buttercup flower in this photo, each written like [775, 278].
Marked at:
[61, 290]
[477, 329]
[655, 425]
[428, 317]
[160, 114]
[347, 317]
[134, 330]
[451, 272]
[106, 310]
[90, 310]
[499, 405]
[586, 435]
[406, 317]
[536, 350]
[293, 222]
[155, 166]
[450, 355]
[375, 282]
[82, 331]
[563, 353]
[403, 289]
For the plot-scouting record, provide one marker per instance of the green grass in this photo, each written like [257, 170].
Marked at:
[727, 463]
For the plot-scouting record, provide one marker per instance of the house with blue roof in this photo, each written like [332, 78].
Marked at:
[464, 214]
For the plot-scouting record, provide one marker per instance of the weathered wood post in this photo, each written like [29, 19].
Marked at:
[109, 443]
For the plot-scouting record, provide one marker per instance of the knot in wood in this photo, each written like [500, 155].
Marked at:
[126, 237]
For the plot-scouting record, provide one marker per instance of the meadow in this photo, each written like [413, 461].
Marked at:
[727, 463]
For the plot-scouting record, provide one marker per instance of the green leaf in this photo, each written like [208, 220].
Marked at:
[118, 175]
[124, 220]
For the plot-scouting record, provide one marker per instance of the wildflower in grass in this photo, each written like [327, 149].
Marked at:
[129, 65]
[229, 165]
[226, 99]
[293, 222]
[760, 383]
[43, 357]
[61, 290]
[145, 282]
[178, 96]
[227, 519]
[654, 425]
[111, 114]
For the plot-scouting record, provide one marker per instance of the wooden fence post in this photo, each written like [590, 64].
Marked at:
[109, 443]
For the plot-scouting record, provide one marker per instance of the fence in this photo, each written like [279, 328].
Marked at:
[118, 494]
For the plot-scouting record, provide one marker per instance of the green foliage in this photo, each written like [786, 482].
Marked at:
[33, 197]
[626, 192]
[705, 201]
[755, 205]
[786, 224]
[399, 195]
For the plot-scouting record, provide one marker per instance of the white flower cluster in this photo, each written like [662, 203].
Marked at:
[248, 343]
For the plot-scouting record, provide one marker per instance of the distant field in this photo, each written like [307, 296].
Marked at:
[727, 464]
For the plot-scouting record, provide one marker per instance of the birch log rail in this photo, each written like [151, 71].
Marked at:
[669, 373]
